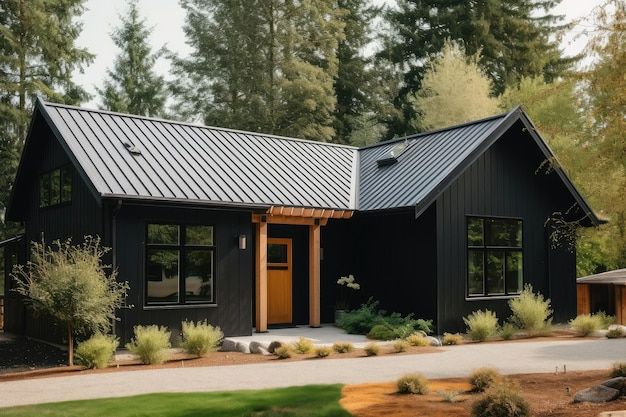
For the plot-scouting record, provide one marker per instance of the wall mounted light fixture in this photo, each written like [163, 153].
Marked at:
[243, 242]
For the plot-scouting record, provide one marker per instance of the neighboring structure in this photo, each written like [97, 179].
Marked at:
[249, 230]
[603, 292]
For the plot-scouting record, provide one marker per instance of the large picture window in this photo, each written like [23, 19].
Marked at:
[55, 187]
[174, 251]
[494, 257]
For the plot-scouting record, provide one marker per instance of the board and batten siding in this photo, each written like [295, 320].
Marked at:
[505, 181]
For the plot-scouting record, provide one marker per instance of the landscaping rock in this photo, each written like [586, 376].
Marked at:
[618, 383]
[258, 348]
[434, 341]
[229, 345]
[273, 346]
[597, 394]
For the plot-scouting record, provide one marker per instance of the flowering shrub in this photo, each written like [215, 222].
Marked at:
[344, 283]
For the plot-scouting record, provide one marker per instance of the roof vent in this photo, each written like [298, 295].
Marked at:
[132, 148]
[391, 157]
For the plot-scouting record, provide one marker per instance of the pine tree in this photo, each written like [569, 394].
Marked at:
[132, 85]
[511, 35]
[456, 83]
[262, 65]
[39, 55]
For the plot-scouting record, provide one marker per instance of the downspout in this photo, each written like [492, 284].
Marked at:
[114, 213]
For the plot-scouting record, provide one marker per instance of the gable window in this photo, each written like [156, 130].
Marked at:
[55, 187]
[179, 264]
[494, 257]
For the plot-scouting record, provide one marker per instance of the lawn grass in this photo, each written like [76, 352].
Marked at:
[305, 401]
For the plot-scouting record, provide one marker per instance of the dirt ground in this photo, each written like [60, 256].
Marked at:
[181, 360]
[548, 394]
[20, 354]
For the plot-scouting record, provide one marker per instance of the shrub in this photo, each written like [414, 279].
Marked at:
[585, 324]
[400, 345]
[283, 352]
[97, 351]
[507, 331]
[483, 378]
[501, 401]
[418, 339]
[449, 396]
[323, 351]
[619, 369]
[343, 347]
[363, 319]
[150, 344]
[372, 349]
[381, 332]
[201, 338]
[605, 319]
[530, 311]
[615, 333]
[481, 325]
[452, 339]
[413, 384]
[303, 345]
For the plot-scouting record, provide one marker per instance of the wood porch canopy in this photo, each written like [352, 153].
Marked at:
[312, 217]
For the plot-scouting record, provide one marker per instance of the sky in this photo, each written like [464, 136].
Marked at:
[166, 17]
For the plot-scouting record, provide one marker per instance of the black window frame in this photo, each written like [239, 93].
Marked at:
[64, 171]
[484, 249]
[182, 249]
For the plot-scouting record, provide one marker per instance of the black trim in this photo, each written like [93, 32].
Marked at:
[64, 170]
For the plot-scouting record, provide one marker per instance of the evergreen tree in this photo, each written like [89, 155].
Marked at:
[261, 65]
[512, 37]
[132, 85]
[38, 57]
[454, 82]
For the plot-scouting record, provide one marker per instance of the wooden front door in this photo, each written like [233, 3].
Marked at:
[279, 272]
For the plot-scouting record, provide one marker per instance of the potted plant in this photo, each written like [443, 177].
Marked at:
[346, 286]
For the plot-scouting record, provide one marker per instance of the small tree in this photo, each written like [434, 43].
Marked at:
[71, 284]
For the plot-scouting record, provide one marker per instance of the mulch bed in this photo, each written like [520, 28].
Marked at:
[21, 354]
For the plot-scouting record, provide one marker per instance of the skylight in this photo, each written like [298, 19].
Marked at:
[391, 157]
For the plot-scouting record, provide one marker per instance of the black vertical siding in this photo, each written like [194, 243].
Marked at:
[504, 181]
[233, 269]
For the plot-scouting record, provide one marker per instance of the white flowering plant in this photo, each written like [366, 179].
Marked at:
[347, 285]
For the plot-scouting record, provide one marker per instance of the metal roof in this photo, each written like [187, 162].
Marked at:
[139, 157]
[617, 277]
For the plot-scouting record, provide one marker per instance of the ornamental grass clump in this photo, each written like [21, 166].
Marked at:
[501, 401]
[400, 346]
[323, 351]
[483, 378]
[343, 347]
[417, 339]
[586, 324]
[200, 338]
[615, 333]
[97, 351]
[449, 339]
[412, 384]
[372, 349]
[619, 370]
[481, 325]
[302, 346]
[151, 344]
[531, 312]
[283, 352]
[507, 331]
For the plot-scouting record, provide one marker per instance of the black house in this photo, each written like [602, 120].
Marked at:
[249, 230]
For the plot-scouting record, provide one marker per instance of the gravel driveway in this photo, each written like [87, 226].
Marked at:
[454, 361]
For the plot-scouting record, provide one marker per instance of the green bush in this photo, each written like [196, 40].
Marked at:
[418, 339]
[381, 332]
[585, 324]
[615, 333]
[501, 401]
[412, 384]
[507, 331]
[97, 351]
[323, 351]
[201, 338]
[363, 319]
[481, 325]
[483, 378]
[605, 319]
[150, 344]
[451, 339]
[400, 345]
[530, 311]
[283, 352]
[343, 347]
[619, 370]
[372, 349]
[302, 345]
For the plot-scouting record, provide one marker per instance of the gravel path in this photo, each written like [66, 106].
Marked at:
[455, 361]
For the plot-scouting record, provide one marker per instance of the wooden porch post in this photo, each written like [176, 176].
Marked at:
[261, 277]
[314, 274]
[583, 302]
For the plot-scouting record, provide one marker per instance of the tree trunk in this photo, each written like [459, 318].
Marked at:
[70, 345]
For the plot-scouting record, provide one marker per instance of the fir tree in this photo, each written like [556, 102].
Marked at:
[132, 85]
